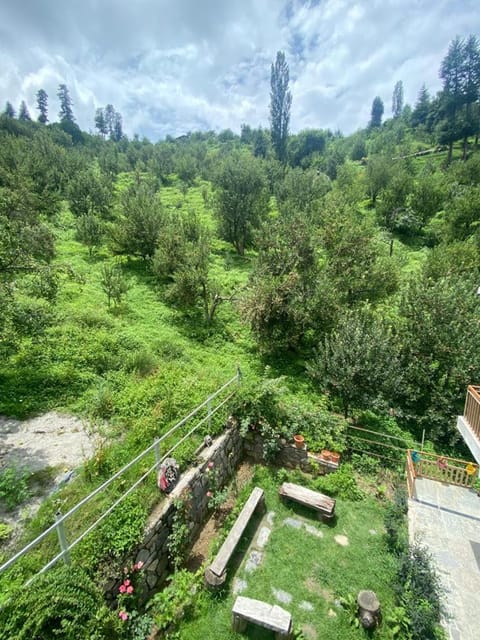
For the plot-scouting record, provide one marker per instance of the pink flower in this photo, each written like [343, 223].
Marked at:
[138, 565]
[122, 588]
[123, 615]
[130, 589]
[211, 464]
[209, 494]
[126, 582]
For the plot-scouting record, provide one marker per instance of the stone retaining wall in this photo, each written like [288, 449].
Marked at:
[288, 455]
[225, 453]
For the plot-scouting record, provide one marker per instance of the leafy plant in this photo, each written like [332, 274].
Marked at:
[62, 603]
[420, 592]
[169, 606]
[179, 537]
[396, 524]
[14, 486]
[341, 483]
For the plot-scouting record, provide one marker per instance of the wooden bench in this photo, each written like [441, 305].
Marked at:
[216, 573]
[324, 505]
[270, 616]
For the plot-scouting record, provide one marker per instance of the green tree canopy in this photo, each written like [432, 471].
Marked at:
[242, 199]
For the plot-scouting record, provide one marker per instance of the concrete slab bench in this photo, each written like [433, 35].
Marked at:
[216, 573]
[324, 505]
[266, 615]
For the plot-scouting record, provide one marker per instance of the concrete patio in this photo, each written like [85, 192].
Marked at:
[446, 519]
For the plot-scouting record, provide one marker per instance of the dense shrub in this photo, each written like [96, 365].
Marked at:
[395, 523]
[13, 486]
[420, 592]
[63, 603]
[342, 483]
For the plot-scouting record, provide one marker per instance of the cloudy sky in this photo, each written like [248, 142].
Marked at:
[172, 66]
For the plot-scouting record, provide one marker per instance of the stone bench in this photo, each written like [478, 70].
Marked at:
[324, 505]
[266, 615]
[216, 573]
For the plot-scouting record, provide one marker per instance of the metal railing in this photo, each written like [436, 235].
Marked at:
[60, 520]
[471, 413]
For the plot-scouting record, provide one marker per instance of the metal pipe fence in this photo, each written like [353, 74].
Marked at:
[61, 520]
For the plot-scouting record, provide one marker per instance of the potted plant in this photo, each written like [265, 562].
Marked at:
[325, 454]
[299, 441]
[334, 457]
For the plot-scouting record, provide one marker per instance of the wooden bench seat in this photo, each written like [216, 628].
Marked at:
[266, 615]
[216, 573]
[324, 505]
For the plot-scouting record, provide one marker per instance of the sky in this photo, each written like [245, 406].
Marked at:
[173, 66]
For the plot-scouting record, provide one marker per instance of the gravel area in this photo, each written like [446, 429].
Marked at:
[50, 440]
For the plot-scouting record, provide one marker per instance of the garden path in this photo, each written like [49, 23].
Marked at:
[446, 519]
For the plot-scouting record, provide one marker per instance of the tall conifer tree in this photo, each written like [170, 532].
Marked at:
[280, 104]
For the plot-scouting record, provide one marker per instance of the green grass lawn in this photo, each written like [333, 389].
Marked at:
[315, 571]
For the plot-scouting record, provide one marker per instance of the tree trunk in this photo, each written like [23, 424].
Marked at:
[450, 152]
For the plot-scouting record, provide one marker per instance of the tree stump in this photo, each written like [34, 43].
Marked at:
[368, 609]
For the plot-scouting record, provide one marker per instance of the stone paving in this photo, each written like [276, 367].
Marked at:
[446, 519]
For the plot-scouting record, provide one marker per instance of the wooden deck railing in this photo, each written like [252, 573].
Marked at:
[450, 470]
[410, 473]
[471, 412]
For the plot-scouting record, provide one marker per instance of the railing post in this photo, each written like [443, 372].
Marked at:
[209, 409]
[156, 447]
[61, 537]
[239, 375]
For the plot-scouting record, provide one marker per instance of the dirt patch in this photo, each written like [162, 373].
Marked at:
[49, 447]
[313, 586]
[201, 548]
[309, 632]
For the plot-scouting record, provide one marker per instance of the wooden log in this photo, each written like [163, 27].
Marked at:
[308, 498]
[368, 609]
[216, 573]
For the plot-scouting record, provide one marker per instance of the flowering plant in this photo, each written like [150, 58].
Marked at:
[136, 625]
[216, 496]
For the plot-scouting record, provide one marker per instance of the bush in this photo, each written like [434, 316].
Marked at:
[13, 486]
[170, 605]
[420, 592]
[62, 603]
[342, 483]
[395, 523]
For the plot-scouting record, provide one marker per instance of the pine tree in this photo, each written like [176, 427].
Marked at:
[452, 98]
[9, 110]
[42, 106]
[65, 113]
[23, 113]
[109, 115]
[100, 123]
[397, 100]
[422, 108]
[280, 104]
[117, 133]
[377, 112]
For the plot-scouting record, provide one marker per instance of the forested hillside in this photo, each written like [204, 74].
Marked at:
[135, 276]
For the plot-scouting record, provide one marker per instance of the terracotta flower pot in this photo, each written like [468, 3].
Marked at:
[326, 454]
[334, 457]
[299, 441]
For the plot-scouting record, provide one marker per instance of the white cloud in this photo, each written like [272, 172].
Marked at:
[170, 67]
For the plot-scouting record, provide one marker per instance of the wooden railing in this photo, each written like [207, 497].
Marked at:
[471, 412]
[410, 472]
[450, 470]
